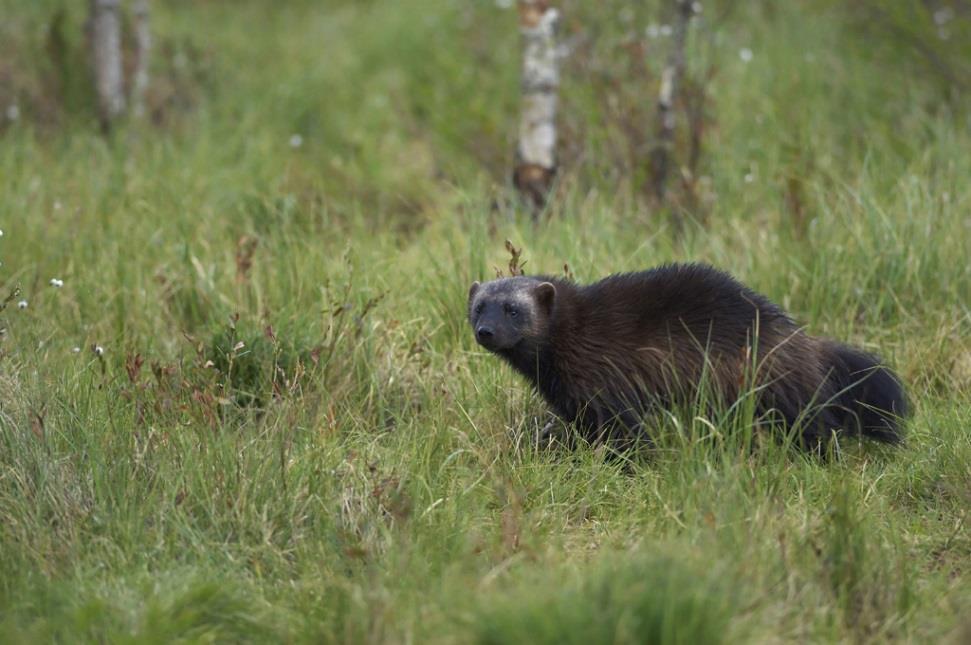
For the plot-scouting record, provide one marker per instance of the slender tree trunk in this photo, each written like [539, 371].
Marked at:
[105, 32]
[670, 81]
[536, 151]
[143, 47]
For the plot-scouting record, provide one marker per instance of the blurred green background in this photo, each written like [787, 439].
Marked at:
[288, 433]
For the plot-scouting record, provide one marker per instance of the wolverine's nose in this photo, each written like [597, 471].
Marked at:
[484, 334]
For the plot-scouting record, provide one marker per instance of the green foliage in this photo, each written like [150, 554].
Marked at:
[870, 583]
[252, 365]
[276, 424]
[644, 599]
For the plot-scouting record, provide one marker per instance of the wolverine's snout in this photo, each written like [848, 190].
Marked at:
[494, 335]
[484, 335]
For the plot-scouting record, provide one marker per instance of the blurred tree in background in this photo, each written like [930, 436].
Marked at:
[105, 36]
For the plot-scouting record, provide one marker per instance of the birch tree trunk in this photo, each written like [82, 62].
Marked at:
[105, 32]
[143, 47]
[670, 81]
[536, 150]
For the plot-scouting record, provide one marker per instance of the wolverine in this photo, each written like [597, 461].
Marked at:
[607, 355]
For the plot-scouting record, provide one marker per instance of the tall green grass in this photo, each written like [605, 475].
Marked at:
[290, 433]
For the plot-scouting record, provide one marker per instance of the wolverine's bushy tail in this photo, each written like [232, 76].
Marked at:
[868, 397]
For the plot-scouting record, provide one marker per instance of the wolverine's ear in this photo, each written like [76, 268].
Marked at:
[473, 290]
[545, 295]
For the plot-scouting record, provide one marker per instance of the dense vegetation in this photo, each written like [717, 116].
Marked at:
[253, 410]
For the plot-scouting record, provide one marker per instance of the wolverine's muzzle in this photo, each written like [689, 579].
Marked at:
[484, 335]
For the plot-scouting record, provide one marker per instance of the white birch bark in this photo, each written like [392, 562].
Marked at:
[536, 150]
[143, 47]
[670, 81]
[105, 25]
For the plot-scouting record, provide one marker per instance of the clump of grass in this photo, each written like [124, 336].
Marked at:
[644, 598]
[175, 609]
[870, 582]
[255, 365]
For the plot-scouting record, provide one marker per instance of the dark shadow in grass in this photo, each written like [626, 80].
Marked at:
[256, 365]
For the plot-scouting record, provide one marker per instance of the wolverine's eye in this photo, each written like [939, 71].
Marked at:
[511, 311]
[479, 307]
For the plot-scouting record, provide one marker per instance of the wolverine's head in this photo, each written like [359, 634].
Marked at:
[510, 312]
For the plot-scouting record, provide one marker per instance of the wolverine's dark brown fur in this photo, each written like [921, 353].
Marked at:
[606, 354]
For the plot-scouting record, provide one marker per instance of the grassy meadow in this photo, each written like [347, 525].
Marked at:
[253, 412]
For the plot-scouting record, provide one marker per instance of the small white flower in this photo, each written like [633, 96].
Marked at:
[749, 178]
[652, 31]
[22, 304]
[13, 112]
[57, 204]
[745, 54]
[76, 350]
[57, 284]
[296, 141]
[99, 350]
[696, 7]
[1, 232]
[666, 30]
[503, 4]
